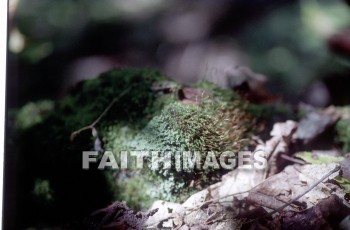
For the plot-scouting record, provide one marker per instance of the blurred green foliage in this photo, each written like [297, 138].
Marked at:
[344, 183]
[42, 190]
[289, 45]
[32, 113]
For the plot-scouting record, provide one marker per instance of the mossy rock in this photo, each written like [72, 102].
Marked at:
[139, 101]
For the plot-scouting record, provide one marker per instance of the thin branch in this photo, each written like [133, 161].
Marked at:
[286, 157]
[110, 106]
[211, 201]
[92, 125]
[272, 152]
[308, 190]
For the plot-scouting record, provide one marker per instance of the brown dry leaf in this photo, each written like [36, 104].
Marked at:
[292, 181]
[315, 122]
[168, 215]
[117, 216]
[282, 134]
[327, 214]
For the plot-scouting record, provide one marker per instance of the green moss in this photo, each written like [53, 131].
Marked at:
[116, 136]
[223, 96]
[89, 100]
[137, 192]
[343, 134]
[191, 127]
[46, 151]
[209, 126]
[343, 128]
[42, 190]
[32, 113]
[146, 115]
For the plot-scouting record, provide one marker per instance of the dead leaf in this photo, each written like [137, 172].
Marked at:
[326, 214]
[315, 122]
[168, 214]
[292, 181]
[118, 216]
[282, 134]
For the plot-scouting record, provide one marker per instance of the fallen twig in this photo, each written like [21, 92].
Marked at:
[92, 125]
[286, 157]
[299, 196]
